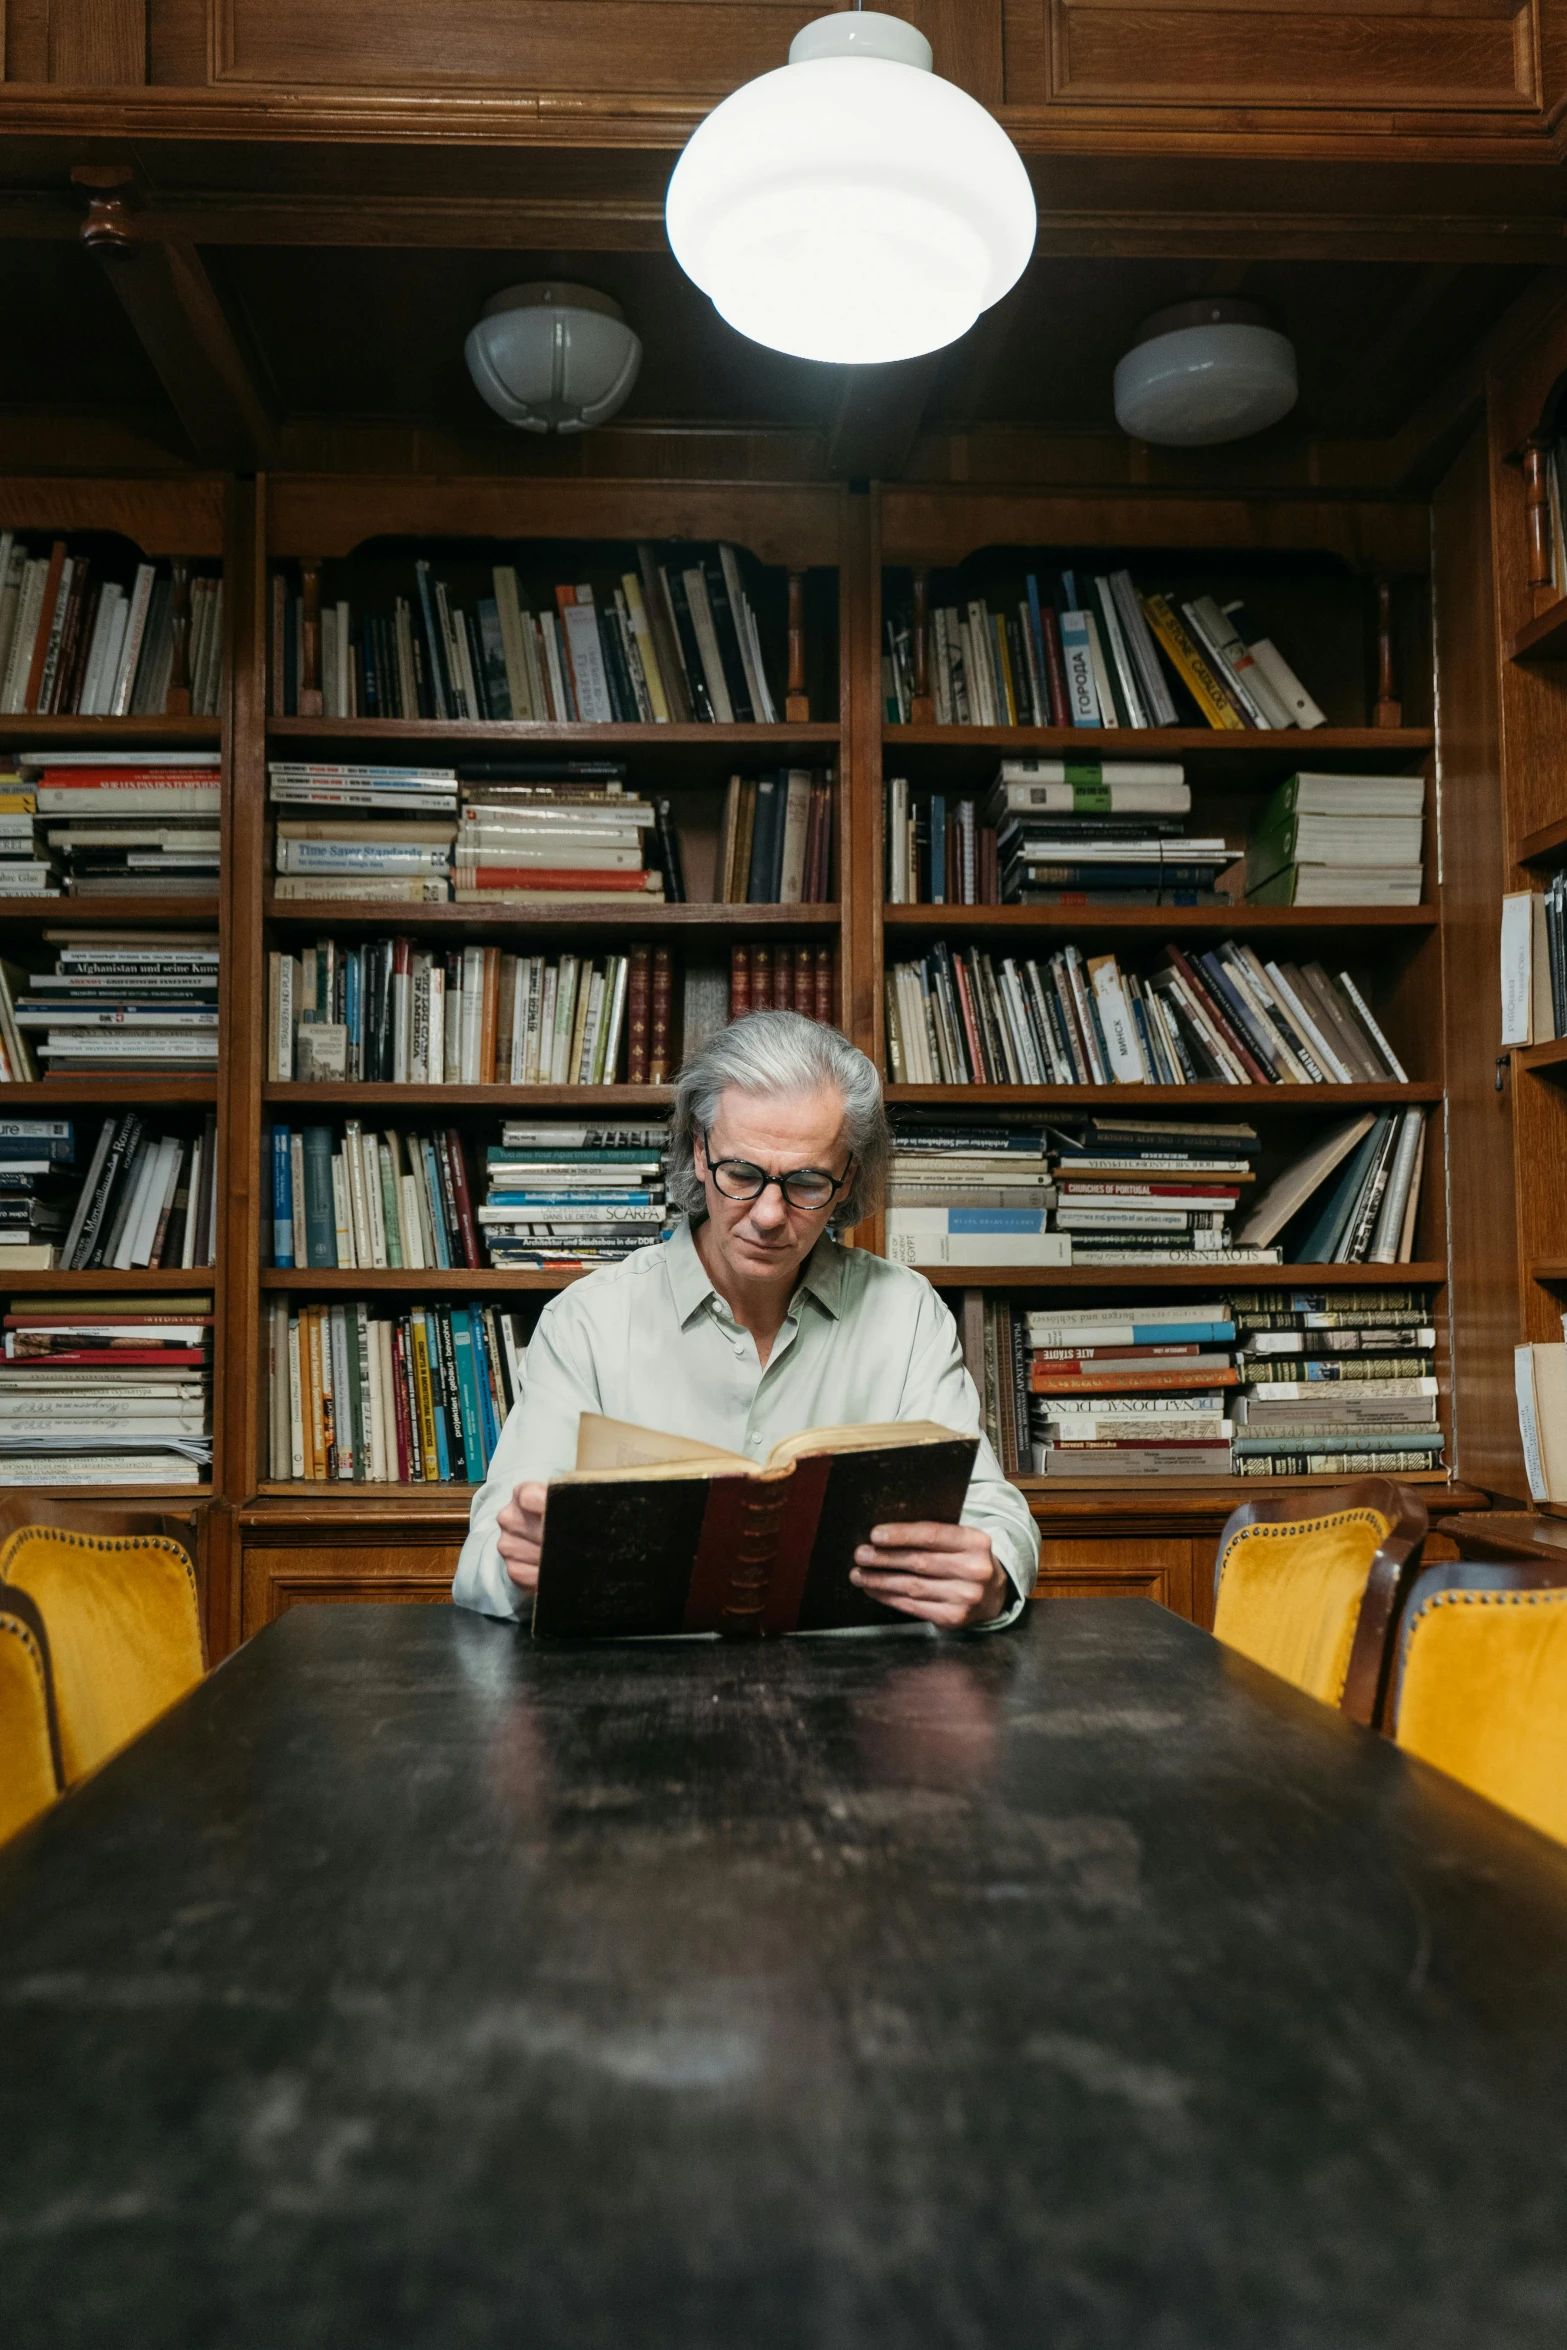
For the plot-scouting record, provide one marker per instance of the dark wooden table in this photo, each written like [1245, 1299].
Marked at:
[1082, 1989]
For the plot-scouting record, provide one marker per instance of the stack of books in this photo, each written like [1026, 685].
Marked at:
[389, 1011]
[556, 832]
[775, 840]
[363, 831]
[147, 1198]
[1339, 840]
[671, 641]
[127, 823]
[993, 1334]
[1132, 1390]
[1110, 656]
[367, 1201]
[360, 1396]
[1352, 1197]
[1155, 1191]
[37, 1159]
[17, 1066]
[106, 1390]
[73, 643]
[118, 1003]
[1055, 832]
[1210, 1016]
[26, 869]
[971, 1191]
[768, 978]
[1335, 1383]
[562, 1195]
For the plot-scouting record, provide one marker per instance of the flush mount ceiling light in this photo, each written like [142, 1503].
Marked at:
[553, 358]
[852, 206]
[1204, 372]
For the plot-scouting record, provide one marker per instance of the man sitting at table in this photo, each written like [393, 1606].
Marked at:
[752, 1323]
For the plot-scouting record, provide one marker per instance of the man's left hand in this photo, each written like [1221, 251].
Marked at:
[945, 1575]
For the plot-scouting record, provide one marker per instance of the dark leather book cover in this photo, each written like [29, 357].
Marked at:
[618, 1557]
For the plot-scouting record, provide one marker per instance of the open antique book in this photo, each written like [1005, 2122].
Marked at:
[653, 1533]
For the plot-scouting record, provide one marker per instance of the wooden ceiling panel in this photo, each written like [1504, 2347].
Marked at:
[67, 342]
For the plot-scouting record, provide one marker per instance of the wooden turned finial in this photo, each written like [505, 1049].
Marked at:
[310, 637]
[1537, 517]
[797, 704]
[922, 704]
[1389, 710]
[108, 227]
[176, 700]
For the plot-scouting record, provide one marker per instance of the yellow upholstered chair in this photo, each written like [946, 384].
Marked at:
[124, 1630]
[1481, 1684]
[30, 1771]
[1308, 1586]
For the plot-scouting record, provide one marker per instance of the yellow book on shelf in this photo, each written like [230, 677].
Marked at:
[1191, 667]
[1004, 666]
[425, 1399]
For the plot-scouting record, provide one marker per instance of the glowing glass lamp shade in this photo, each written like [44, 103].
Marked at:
[852, 206]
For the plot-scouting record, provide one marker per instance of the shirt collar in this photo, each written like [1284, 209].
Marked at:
[822, 1277]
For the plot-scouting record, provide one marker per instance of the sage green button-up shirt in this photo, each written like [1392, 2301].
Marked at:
[650, 1340]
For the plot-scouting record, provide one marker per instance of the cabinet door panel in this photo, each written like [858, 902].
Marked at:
[276, 1579]
[1126, 1568]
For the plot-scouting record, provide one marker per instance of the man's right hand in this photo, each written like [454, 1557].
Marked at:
[521, 1535]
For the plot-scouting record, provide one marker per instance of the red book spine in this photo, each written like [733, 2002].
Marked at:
[639, 1005]
[761, 979]
[978, 1072]
[1055, 667]
[804, 983]
[825, 991]
[408, 1468]
[463, 1199]
[164, 1358]
[658, 1026]
[73, 644]
[51, 597]
[739, 982]
[783, 981]
[556, 877]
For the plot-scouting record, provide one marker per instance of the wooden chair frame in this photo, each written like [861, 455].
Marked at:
[1392, 1570]
[1510, 1575]
[25, 1508]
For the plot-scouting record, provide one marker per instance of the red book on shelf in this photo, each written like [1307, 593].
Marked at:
[739, 982]
[1055, 667]
[1059, 1379]
[557, 877]
[639, 1005]
[970, 1022]
[804, 999]
[472, 1255]
[658, 1024]
[1217, 1014]
[826, 988]
[163, 1358]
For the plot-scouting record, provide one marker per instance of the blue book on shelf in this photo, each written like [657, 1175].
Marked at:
[488, 1400]
[1082, 694]
[572, 1199]
[432, 1186]
[432, 1347]
[1180, 1333]
[993, 1219]
[473, 1445]
[282, 1199]
[1339, 1200]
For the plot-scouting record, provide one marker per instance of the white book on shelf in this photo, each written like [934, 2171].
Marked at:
[1101, 672]
[796, 828]
[29, 609]
[1115, 1018]
[139, 603]
[110, 598]
[580, 621]
[707, 643]
[1302, 710]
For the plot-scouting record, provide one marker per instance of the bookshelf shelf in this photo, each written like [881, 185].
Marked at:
[19, 732]
[691, 921]
[175, 1280]
[1194, 1276]
[1543, 1060]
[1294, 922]
[1046, 1098]
[64, 1093]
[1544, 638]
[1546, 844]
[1252, 758]
[454, 1281]
[127, 913]
[591, 1101]
[1200, 1493]
[335, 1491]
[681, 754]
[1550, 1271]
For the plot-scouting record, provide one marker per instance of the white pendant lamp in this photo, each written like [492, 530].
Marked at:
[1202, 373]
[852, 206]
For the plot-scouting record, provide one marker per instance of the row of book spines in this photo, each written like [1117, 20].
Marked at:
[358, 1207]
[955, 846]
[784, 979]
[414, 1398]
[65, 648]
[673, 644]
[994, 1338]
[158, 1189]
[470, 1016]
[775, 840]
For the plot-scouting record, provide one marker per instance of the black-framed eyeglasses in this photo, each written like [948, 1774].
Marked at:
[802, 1187]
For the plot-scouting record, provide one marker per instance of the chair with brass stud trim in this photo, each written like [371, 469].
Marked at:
[1308, 1586]
[1480, 1686]
[31, 1774]
[124, 1630]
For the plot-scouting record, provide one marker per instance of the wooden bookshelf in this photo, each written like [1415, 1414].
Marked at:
[1195, 1276]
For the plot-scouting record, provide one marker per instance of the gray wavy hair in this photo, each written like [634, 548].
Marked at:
[780, 1054]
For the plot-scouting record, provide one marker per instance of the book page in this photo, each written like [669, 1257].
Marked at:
[604, 1444]
[873, 1435]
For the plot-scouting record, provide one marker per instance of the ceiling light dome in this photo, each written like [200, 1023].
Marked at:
[1204, 372]
[852, 206]
[553, 358]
